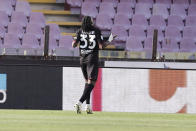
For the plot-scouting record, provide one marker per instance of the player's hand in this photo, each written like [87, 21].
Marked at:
[111, 37]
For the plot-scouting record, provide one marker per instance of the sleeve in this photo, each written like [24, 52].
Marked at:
[99, 37]
[78, 36]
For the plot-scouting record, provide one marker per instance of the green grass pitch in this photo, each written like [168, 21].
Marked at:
[44, 120]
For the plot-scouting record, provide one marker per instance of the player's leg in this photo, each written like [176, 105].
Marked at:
[78, 105]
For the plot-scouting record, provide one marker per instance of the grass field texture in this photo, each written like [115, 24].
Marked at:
[37, 120]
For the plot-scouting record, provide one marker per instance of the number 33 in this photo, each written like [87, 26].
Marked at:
[92, 43]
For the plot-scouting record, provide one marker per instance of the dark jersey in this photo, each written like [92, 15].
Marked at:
[89, 43]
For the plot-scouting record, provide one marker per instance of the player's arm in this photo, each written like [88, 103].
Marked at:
[76, 40]
[103, 45]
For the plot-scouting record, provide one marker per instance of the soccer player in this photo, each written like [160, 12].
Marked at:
[89, 40]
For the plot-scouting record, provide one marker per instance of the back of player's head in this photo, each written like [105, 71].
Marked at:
[87, 23]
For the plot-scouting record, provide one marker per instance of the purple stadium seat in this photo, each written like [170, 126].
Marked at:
[137, 31]
[74, 3]
[129, 2]
[193, 1]
[16, 29]
[125, 8]
[11, 44]
[192, 10]
[187, 45]
[134, 44]
[104, 22]
[30, 41]
[54, 31]
[189, 32]
[37, 17]
[121, 33]
[166, 2]
[170, 45]
[185, 3]
[20, 18]
[96, 2]
[65, 47]
[4, 20]
[175, 20]
[148, 44]
[158, 20]
[89, 9]
[30, 45]
[150, 30]
[178, 9]
[107, 8]
[172, 32]
[23, 6]
[122, 20]
[2, 32]
[190, 20]
[114, 2]
[35, 29]
[160, 9]
[146, 1]
[139, 20]
[6, 6]
[144, 9]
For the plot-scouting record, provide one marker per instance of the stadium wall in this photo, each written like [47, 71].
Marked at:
[134, 90]
[30, 87]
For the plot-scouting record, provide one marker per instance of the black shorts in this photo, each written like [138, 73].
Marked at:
[89, 70]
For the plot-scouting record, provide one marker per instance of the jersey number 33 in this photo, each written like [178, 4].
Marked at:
[84, 42]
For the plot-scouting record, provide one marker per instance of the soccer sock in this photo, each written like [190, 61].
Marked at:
[86, 93]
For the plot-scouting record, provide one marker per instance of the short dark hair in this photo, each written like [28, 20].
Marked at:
[87, 24]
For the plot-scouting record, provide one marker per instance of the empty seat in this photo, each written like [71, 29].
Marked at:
[107, 8]
[187, 45]
[185, 3]
[192, 10]
[122, 20]
[148, 44]
[139, 20]
[6, 6]
[150, 31]
[175, 20]
[54, 31]
[114, 2]
[11, 44]
[104, 22]
[65, 47]
[121, 33]
[134, 44]
[189, 32]
[158, 20]
[23, 6]
[30, 45]
[193, 1]
[38, 18]
[4, 20]
[96, 2]
[178, 9]
[35, 29]
[144, 9]
[16, 29]
[129, 2]
[89, 9]
[125, 8]
[137, 31]
[191, 21]
[20, 18]
[74, 3]
[2, 32]
[146, 1]
[160, 9]
[166, 2]
[172, 32]
[170, 45]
